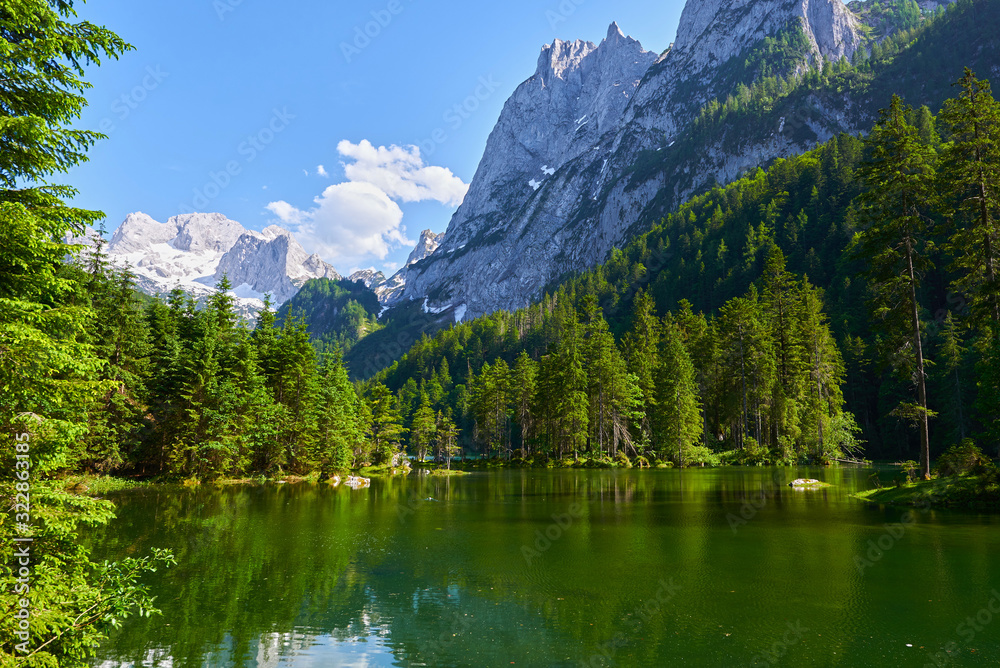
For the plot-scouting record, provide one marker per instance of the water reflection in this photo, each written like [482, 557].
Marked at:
[452, 572]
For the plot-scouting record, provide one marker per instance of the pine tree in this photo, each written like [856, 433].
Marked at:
[446, 438]
[340, 428]
[385, 427]
[824, 376]
[898, 180]
[524, 388]
[951, 360]
[561, 401]
[119, 334]
[970, 177]
[641, 351]
[49, 373]
[677, 419]
[607, 390]
[780, 300]
[748, 353]
[423, 429]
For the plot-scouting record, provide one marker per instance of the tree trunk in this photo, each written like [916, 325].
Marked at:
[958, 397]
[984, 222]
[925, 448]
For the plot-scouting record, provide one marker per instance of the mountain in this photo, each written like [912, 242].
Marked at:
[603, 140]
[272, 261]
[194, 251]
[370, 277]
[564, 228]
[390, 291]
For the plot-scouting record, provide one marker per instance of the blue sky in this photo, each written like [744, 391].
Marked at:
[232, 106]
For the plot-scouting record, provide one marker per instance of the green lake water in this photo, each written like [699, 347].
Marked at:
[703, 567]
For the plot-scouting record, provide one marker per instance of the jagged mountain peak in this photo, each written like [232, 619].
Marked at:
[427, 244]
[549, 195]
[713, 31]
[274, 231]
[578, 93]
[211, 232]
[371, 277]
[560, 58]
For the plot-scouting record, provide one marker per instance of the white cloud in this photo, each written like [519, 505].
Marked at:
[351, 222]
[400, 172]
[358, 221]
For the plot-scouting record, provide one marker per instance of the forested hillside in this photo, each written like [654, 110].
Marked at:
[778, 233]
[773, 103]
[338, 313]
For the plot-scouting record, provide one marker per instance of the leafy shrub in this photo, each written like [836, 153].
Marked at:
[961, 459]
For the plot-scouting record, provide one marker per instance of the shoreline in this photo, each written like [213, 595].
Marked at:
[965, 492]
[90, 484]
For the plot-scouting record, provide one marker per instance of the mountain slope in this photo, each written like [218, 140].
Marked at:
[509, 239]
[390, 290]
[337, 312]
[725, 140]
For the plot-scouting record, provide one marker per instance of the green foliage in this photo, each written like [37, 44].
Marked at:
[900, 190]
[677, 421]
[57, 362]
[970, 164]
[961, 459]
[337, 314]
[818, 361]
[386, 428]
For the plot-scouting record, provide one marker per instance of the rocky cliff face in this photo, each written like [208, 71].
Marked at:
[562, 180]
[426, 244]
[578, 93]
[195, 251]
[389, 291]
[271, 262]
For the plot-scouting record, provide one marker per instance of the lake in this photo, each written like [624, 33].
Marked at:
[699, 567]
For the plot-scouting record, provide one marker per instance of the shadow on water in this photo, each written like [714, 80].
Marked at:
[555, 568]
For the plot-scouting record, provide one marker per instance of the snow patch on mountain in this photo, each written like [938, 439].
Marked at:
[194, 252]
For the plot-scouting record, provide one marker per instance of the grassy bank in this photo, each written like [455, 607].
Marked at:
[976, 492]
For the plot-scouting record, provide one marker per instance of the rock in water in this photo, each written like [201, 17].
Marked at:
[807, 482]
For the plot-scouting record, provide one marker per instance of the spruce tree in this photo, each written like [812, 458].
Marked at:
[677, 419]
[385, 427]
[970, 178]
[340, 428]
[446, 438]
[524, 387]
[423, 429]
[953, 387]
[898, 180]
[641, 351]
[50, 375]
